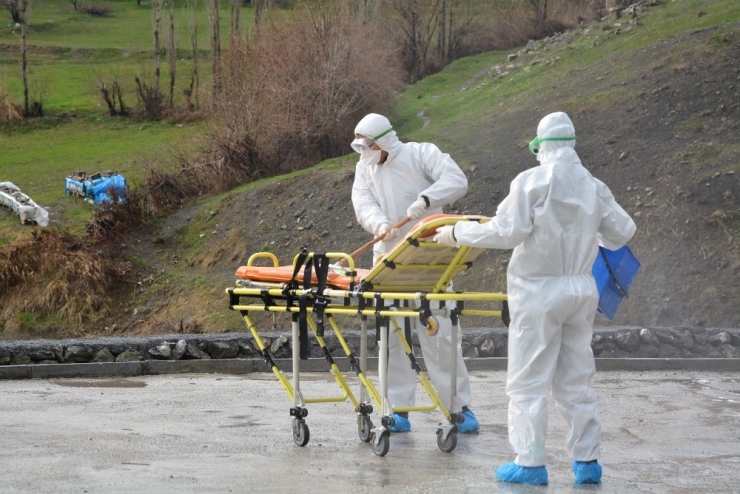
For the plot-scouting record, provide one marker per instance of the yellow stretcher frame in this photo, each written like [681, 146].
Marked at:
[416, 269]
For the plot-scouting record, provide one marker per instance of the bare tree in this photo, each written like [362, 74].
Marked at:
[260, 6]
[214, 16]
[172, 53]
[194, 89]
[157, 12]
[23, 13]
[77, 4]
[236, 9]
[540, 9]
[12, 6]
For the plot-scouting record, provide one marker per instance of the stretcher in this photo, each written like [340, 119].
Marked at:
[411, 281]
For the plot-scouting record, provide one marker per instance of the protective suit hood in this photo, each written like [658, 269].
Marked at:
[373, 125]
[559, 125]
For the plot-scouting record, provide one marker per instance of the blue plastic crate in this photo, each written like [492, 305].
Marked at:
[624, 266]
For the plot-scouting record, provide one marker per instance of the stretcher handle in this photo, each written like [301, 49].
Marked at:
[374, 241]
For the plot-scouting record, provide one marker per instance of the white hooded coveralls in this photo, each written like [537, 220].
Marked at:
[382, 193]
[554, 218]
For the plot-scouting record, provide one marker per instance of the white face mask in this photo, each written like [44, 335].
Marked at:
[370, 156]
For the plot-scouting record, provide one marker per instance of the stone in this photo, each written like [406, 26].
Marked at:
[129, 356]
[729, 351]
[665, 337]
[78, 354]
[722, 338]
[179, 350]
[59, 353]
[39, 355]
[627, 341]
[161, 352]
[277, 344]
[472, 352]
[649, 338]
[246, 349]
[684, 338]
[222, 349]
[193, 351]
[20, 359]
[648, 351]
[104, 355]
[487, 348]
[4, 358]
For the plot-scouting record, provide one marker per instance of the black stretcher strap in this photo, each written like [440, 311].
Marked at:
[611, 273]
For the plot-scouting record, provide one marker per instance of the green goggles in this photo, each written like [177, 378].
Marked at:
[534, 145]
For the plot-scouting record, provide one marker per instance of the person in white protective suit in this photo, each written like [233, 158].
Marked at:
[555, 217]
[394, 180]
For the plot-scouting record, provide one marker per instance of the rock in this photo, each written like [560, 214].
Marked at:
[192, 351]
[627, 341]
[487, 348]
[649, 338]
[104, 355]
[179, 350]
[39, 355]
[684, 338]
[20, 359]
[665, 337]
[59, 353]
[246, 349]
[222, 349]
[130, 356]
[729, 351]
[78, 354]
[281, 343]
[4, 358]
[511, 57]
[161, 352]
[648, 351]
[472, 352]
[722, 338]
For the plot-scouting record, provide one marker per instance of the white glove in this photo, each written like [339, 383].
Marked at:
[446, 235]
[417, 209]
[390, 233]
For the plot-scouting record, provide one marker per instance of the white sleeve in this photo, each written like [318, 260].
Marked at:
[617, 227]
[366, 206]
[450, 183]
[511, 225]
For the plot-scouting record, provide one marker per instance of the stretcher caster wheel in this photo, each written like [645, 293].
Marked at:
[447, 445]
[364, 427]
[381, 444]
[300, 433]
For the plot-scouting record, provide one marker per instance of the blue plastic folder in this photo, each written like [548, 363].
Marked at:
[613, 271]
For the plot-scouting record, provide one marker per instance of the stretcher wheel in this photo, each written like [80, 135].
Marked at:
[450, 444]
[382, 445]
[364, 428]
[301, 434]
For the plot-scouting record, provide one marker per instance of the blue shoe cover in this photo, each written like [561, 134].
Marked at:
[470, 424]
[516, 474]
[400, 424]
[587, 472]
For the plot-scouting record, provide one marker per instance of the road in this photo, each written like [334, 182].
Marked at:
[663, 432]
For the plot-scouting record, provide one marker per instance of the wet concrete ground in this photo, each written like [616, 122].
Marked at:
[663, 432]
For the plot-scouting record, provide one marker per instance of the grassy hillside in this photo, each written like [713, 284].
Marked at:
[655, 104]
[68, 52]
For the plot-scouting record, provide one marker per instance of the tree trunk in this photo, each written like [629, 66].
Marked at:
[157, 4]
[23, 9]
[172, 53]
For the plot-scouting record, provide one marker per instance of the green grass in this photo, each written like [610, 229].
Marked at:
[446, 103]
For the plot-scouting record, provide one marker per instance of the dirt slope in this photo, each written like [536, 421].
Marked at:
[659, 126]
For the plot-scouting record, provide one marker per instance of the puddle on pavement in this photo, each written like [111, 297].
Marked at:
[111, 383]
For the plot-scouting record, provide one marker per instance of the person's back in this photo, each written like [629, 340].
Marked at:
[555, 217]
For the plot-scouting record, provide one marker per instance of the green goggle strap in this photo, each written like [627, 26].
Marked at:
[534, 145]
[386, 133]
